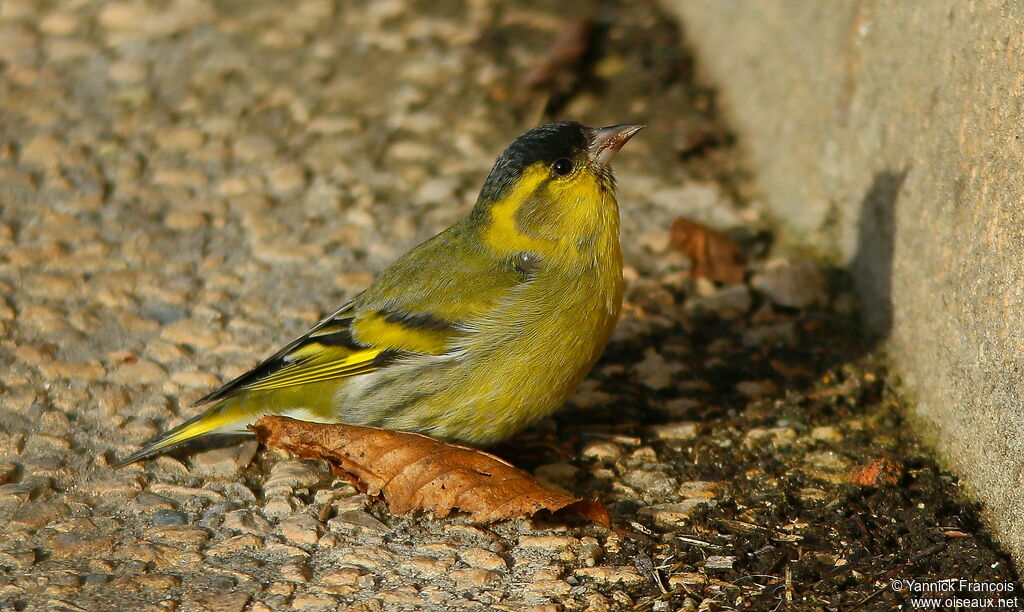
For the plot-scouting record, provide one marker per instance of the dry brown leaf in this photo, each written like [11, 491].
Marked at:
[558, 72]
[413, 472]
[715, 256]
[880, 471]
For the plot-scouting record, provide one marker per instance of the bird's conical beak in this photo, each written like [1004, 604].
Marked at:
[605, 142]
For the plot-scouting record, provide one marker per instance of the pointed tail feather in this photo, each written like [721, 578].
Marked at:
[224, 417]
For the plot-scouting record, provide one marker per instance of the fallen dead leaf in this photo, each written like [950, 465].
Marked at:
[715, 256]
[559, 70]
[413, 472]
[698, 141]
[879, 472]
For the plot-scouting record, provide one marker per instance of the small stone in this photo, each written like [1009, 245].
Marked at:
[548, 542]
[169, 517]
[313, 601]
[186, 493]
[246, 521]
[21, 559]
[184, 221]
[43, 151]
[34, 354]
[794, 284]
[42, 318]
[220, 602]
[777, 436]
[651, 483]
[611, 574]
[191, 332]
[483, 559]
[127, 72]
[302, 530]
[286, 250]
[668, 516]
[644, 454]
[774, 334]
[368, 582]
[727, 303]
[372, 558]
[589, 395]
[50, 286]
[180, 177]
[401, 596]
[195, 380]
[139, 372]
[147, 502]
[686, 579]
[828, 466]
[407, 150]
[123, 16]
[473, 578]
[186, 536]
[111, 401]
[560, 473]
[295, 572]
[332, 125]
[8, 472]
[235, 544]
[655, 372]
[224, 462]
[699, 489]
[20, 400]
[60, 24]
[596, 603]
[87, 370]
[548, 573]
[71, 545]
[293, 474]
[347, 519]
[604, 451]
[183, 139]
[756, 388]
[719, 562]
[590, 551]
[547, 588]
[436, 190]
[427, 567]
[827, 433]
[35, 514]
[41, 444]
[286, 178]
[682, 430]
[342, 577]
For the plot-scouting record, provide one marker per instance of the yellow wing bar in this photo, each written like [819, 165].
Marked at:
[330, 363]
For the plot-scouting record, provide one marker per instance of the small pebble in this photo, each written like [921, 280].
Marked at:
[169, 517]
[792, 283]
[719, 562]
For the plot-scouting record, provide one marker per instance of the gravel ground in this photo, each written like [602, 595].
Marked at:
[185, 185]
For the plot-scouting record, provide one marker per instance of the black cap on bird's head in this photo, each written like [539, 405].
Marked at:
[561, 146]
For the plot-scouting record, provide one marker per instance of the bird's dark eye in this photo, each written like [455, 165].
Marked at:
[526, 263]
[562, 167]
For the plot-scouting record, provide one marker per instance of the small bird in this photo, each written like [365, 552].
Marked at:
[476, 333]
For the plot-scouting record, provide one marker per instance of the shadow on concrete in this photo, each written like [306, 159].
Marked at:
[871, 266]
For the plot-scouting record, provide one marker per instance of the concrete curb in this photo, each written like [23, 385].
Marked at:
[891, 132]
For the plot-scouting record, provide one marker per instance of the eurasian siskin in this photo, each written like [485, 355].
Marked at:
[473, 335]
